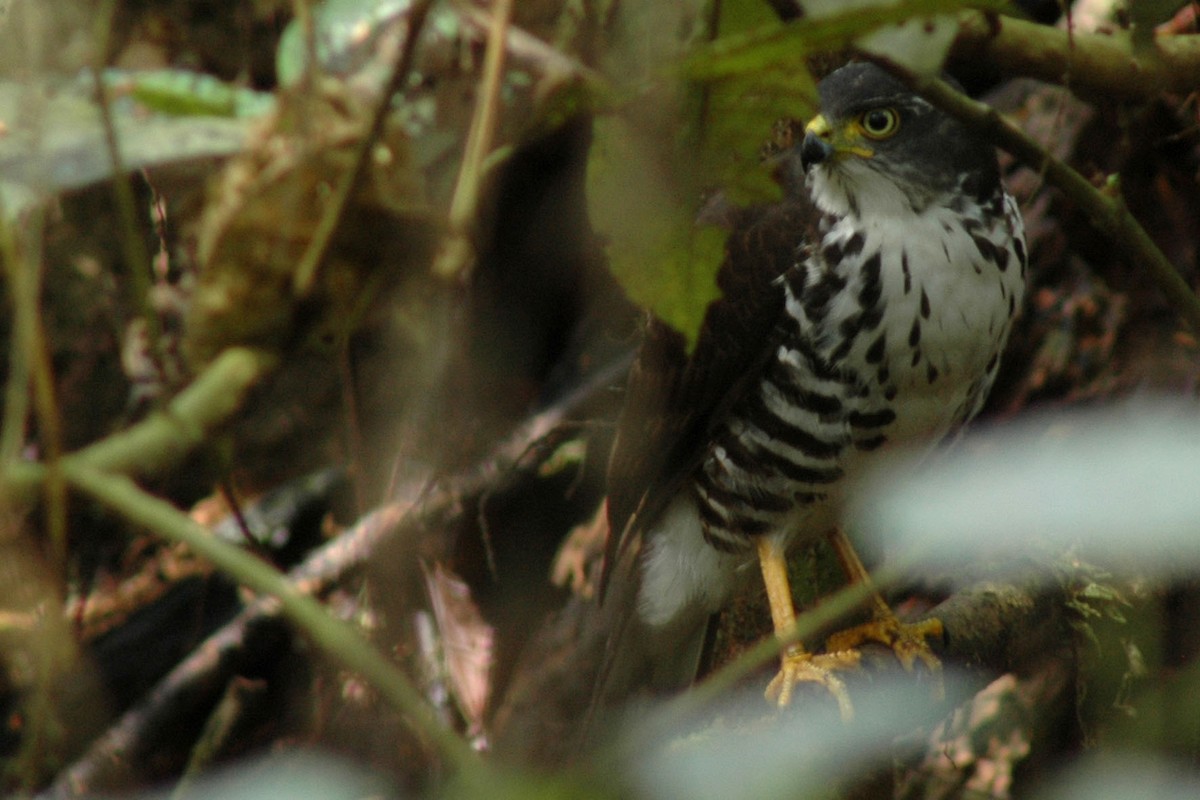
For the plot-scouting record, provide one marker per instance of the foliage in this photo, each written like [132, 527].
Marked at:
[677, 99]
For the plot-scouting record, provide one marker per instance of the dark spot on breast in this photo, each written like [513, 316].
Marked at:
[872, 287]
[916, 359]
[907, 273]
[853, 245]
[985, 247]
[931, 373]
[871, 319]
[875, 351]
[889, 393]
[914, 333]
[924, 304]
[850, 326]
[842, 350]
[884, 374]
[832, 254]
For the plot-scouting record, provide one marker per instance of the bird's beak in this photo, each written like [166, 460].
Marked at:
[822, 143]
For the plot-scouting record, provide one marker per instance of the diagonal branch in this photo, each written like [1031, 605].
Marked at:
[1107, 213]
[164, 437]
[1100, 65]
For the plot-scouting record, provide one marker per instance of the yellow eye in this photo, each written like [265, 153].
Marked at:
[880, 123]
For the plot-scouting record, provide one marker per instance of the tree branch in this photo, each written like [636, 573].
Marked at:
[196, 680]
[164, 437]
[1098, 65]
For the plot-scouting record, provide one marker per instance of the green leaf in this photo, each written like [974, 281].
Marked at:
[696, 122]
[664, 262]
[835, 26]
[190, 94]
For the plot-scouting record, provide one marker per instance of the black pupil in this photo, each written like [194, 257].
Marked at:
[878, 121]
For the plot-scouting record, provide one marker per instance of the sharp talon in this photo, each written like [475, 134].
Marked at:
[797, 666]
[906, 640]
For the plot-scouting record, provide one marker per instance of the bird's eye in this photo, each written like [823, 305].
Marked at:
[880, 123]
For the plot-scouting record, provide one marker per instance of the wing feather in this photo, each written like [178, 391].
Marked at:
[674, 402]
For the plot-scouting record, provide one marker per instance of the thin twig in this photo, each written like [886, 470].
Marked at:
[455, 256]
[337, 639]
[318, 246]
[133, 247]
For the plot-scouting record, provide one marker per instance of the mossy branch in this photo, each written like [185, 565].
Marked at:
[1098, 65]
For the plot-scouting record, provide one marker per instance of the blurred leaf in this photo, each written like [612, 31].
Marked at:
[467, 643]
[750, 752]
[834, 26]
[660, 258]
[1119, 777]
[184, 93]
[1119, 484]
[700, 116]
[345, 36]
[295, 776]
[62, 145]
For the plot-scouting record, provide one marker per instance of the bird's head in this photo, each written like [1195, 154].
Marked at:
[877, 147]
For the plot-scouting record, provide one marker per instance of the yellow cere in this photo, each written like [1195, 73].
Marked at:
[848, 139]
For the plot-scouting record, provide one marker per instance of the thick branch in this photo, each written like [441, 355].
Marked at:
[1102, 66]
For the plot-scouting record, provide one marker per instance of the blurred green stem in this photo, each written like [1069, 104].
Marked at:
[335, 638]
[455, 257]
[34, 375]
[306, 270]
[165, 436]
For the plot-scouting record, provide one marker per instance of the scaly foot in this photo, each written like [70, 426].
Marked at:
[798, 665]
[906, 640]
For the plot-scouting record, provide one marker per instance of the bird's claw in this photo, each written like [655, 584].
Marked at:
[798, 666]
[906, 640]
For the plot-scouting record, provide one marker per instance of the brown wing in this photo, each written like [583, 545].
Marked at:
[672, 402]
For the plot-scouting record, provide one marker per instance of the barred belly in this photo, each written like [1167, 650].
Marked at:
[891, 334]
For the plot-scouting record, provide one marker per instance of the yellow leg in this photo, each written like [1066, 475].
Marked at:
[906, 640]
[797, 664]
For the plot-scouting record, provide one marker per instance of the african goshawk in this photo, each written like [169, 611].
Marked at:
[870, 307]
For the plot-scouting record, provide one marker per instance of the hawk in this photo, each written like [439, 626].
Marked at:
[870, 307]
